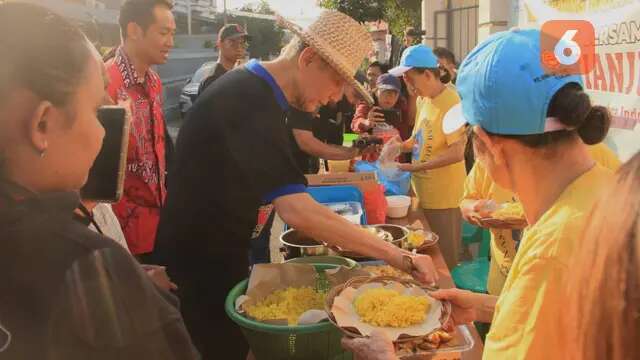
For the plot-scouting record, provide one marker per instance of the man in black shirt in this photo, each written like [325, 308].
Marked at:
[232, 45]
[233, 155]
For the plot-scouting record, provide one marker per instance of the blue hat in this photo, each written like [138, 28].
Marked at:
[416, 56]
[388, 82]
[504, 88]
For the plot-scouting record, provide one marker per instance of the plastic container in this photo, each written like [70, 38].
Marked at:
[338, 193]
[275, 342]
[398, 206]
[350, 210]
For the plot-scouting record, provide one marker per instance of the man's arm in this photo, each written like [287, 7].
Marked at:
[312, 146]
[319, 222]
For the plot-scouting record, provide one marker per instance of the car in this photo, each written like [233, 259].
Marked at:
[190, 90]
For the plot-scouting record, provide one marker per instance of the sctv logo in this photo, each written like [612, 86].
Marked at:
[567, 46]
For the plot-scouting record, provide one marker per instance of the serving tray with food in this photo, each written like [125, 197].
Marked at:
[400, 307]
[504, 216]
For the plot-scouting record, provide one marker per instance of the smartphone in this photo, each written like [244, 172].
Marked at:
[391, 116]
[106, 177]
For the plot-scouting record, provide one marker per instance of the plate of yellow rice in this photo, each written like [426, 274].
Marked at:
[397, 306]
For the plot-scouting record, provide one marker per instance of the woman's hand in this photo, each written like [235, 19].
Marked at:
[474, 210]
[375, 116]
[463, 305]
[378, 346]
[408, 167]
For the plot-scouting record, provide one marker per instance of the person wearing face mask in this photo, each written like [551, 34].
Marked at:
[66, 292]
[233, 156]
[531, 129]
[438, 158]
[147, 28]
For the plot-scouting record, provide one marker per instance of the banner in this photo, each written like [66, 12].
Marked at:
[614, 81]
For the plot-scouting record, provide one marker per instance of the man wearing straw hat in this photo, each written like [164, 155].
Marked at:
[233, 155]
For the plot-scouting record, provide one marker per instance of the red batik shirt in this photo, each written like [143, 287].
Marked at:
[144, 184]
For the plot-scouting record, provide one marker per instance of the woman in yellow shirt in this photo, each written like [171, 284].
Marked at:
[480, 188]
[530, 128]
[438, 158]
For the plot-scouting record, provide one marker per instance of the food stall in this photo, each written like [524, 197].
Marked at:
[291, 340]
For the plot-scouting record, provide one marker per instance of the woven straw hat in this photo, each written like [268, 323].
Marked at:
[341, 41]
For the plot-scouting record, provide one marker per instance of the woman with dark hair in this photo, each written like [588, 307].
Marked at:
[604, 283]
[530, 131]
[438, 158]
[67, 292]
[447, 59]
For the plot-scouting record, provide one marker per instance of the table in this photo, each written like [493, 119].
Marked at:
[416, 219]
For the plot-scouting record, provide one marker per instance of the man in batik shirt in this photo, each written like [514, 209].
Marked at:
[147, 29]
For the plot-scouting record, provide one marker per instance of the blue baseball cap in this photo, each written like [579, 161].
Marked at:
[416, 56]
[388, 82]
[504, 88]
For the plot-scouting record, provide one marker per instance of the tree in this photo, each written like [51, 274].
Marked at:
[266, 36]
[397, 13]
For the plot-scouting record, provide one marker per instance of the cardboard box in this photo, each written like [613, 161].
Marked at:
[347, 178]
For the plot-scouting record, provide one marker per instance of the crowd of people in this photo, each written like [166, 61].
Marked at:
[147, 276]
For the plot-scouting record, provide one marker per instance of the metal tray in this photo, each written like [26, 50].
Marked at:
[462, 341]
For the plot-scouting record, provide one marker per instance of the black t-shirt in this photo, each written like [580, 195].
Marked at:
[232, 155]
[333, 119]
[218, 70]
[70, 293]
[299, 120]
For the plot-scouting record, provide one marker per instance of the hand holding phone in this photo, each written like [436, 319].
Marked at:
[375, 115]
[106, 177]
[391, 116]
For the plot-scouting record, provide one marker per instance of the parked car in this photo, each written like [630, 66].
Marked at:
[190, 90]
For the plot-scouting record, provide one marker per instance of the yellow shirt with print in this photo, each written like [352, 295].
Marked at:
[527, 316]
[479, 185]
[440, 188]
[604, 156]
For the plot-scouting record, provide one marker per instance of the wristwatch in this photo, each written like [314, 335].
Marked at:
[407, 264]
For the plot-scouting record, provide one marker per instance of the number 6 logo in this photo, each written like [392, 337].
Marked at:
[567, 46]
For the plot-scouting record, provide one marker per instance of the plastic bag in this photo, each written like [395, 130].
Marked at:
[390, 152]
[395, 182]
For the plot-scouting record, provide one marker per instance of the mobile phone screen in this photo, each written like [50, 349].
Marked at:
[106, 177]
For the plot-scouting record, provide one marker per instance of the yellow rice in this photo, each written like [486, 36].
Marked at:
[388, 308]
[286, 304]
[509, 211]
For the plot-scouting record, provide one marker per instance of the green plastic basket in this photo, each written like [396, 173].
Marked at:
[268, 342]
[327, 261]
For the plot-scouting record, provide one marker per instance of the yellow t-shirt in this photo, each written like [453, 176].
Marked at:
[526, 319]
[440, 188]
[479, 185]
[604, 156]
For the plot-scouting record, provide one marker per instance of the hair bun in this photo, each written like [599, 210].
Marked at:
[445, 75]
[595, 126]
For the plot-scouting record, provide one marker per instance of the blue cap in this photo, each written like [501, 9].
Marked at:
[416, 56]
[504, 88]
[388, 82]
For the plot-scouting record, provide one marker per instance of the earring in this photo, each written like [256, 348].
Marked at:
[44, 151]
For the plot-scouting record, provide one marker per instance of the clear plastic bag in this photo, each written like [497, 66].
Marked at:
[387, 162]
